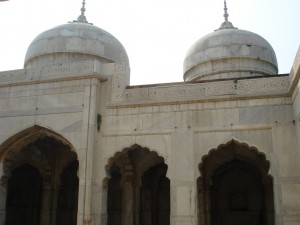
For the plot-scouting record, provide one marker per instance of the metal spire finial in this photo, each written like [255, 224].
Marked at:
[226, 15]
[226, 24]
[82, 18]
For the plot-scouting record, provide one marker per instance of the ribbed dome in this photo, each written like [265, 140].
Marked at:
[229, 53]
[74, 42]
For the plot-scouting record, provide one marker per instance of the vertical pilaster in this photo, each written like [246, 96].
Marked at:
[182, 180]
[86, 159]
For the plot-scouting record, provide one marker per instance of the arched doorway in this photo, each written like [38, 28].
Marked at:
[138, 189]
[235, 187]
[40, 173]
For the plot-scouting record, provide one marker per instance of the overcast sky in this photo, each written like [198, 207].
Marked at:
[155, 33]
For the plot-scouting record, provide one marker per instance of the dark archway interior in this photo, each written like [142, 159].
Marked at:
[138, 190]
[23, 201]
[234, 187]
[114, 198]
[43, 186]
[155, 197]
[68, 195]
[237, 195]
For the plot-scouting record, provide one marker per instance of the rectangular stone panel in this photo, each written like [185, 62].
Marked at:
[183, 201]
[291, 200]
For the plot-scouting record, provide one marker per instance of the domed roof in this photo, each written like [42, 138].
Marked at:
[73, 42]
[229, 53]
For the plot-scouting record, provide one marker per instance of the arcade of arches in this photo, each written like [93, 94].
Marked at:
[41, 186]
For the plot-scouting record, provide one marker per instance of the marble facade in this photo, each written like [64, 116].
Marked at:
[181, 122]
[79, 145]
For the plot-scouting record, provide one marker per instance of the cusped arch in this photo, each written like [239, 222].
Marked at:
[30, 157]
[229, 151]
[136, 174]
[153, 159]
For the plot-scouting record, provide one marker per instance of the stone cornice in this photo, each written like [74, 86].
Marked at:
[170, 93]
[206, 91]
[69, 71]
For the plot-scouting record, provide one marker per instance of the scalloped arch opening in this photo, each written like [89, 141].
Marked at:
[234, 184]
[137, 176]
[155, 158]
[229, 151]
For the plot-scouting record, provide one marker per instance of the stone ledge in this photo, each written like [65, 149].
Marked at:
[69, 71]
[205, 91]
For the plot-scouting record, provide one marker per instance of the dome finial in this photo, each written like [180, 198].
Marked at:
[225, 11]
[226, 24]
[82, 18]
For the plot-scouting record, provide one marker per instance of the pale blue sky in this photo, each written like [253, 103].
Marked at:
[155, 33]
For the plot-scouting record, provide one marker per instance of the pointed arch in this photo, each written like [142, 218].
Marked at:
[50, 154]
[29, 135]
[12, 147]
[228, 160]
[152, 160]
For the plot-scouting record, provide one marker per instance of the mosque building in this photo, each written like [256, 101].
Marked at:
[80, 146]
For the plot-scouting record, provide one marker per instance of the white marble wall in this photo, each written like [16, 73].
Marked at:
[181, 122]
[63, 107]
[184, 133]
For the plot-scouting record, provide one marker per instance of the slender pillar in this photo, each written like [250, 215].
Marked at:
[54, 205]
[137, 202]
[128, 193]
[127, 207]
[46, 211]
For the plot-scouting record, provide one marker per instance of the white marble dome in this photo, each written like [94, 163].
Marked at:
[73, 42]
[229, 53]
